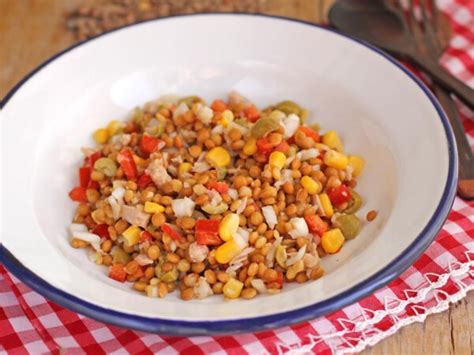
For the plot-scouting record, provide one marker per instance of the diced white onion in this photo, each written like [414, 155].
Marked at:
[201, 167]
[290, 124]
[296, 257]
[243, 204]
[198, 252]
[118, 193]
[180, 110]
[116, 208]
[286, 176]
[143, 260]
[270, 216]
[77, 227]
[271, 253]
[300, 228]
[259, 285]
[233, 194]
[240, 241]
[205, 115]
[92, 239]
[244, 234]
[218, 129]
[202, 289]
[307, 154]
[183, 207]
[134, 216]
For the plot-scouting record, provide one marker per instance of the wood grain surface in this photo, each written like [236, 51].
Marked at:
[33, 30]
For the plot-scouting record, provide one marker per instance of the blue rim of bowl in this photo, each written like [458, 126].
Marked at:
[191, 328]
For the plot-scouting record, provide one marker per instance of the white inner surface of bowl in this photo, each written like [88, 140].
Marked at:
[378, 110]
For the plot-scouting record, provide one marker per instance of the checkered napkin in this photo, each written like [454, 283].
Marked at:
[442, 275]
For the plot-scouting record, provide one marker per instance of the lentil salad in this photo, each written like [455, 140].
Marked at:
[221, 199]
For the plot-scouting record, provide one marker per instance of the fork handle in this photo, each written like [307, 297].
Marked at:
[445, 79]
[465, 156]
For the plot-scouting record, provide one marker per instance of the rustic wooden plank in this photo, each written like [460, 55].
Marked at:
[27, 42]
[41, 33]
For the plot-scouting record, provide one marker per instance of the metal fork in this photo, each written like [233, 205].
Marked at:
[431, 39]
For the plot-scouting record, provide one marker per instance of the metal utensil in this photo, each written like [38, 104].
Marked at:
[425, 37]
[431, 36]
[372, 21]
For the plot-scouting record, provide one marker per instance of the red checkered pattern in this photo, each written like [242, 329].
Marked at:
[443, 274]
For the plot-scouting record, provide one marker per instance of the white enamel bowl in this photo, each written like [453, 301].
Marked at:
[382, 112]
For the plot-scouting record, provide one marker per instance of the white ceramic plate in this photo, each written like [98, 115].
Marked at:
[382, 112]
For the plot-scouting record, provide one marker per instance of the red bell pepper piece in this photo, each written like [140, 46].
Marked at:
[311, 133]
[252, 113]
[84, 176]
[144, 180]
[339, 194]
[149, 144]
[117, 272]
[264, 146]
[145, 236]
[93, 185]
[283, 147]
[279, 279]
[78, 194]
[172, 232]
[102, 230]
[316, 224]
[218, 106]
[206, 232]
[125, 159]
[220, 187]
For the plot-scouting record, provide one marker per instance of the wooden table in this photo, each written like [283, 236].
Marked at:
[31, 31]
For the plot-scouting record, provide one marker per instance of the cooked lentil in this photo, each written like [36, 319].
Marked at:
[190, 196]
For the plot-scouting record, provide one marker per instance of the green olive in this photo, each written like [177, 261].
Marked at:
[292, 151]
[120, 256]
[349, 224]
[158, 271]
[242, 122]
[304, 114]
[264, 126]
[155, 128]
[106, 166]
[170, 276]
[315, 127]
[221, 173]
[354, 204]
[190, 100]
[288, 107]
[218, 209]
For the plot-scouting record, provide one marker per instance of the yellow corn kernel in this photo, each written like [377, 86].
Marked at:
[101, 136]
[335, 159]
[152, 207]
[312, 186]
[277, 159]
[228, 226]
[184, 168]
[357, 164]
[218, 157]
[250, 147]
[327, 205]
[227, 251]
[226, 118]
[332, 241]
[232, 288]
[114, 127]
[131, 235]
[331, 139]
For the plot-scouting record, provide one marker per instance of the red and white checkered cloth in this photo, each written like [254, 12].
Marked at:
[443, 274]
